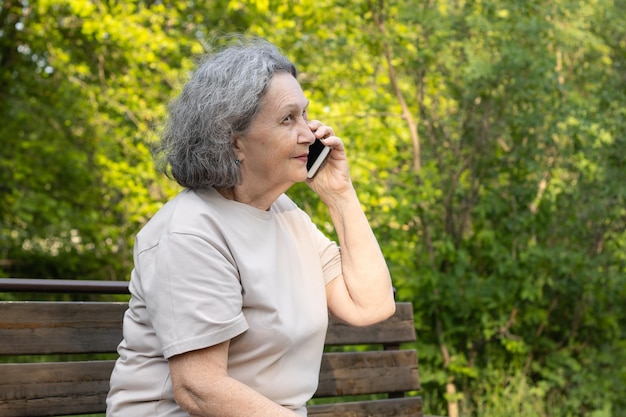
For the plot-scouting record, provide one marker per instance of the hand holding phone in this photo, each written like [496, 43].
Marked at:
[318, 153]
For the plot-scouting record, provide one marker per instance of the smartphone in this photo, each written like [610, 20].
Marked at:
[318, 152]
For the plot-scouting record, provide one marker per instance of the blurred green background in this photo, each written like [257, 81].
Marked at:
[486, 139]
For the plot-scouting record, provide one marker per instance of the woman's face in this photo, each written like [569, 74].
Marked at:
[273, 150]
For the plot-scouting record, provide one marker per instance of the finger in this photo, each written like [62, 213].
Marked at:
[333, 141]
[320, 130]
[315, 124]
[324, 132]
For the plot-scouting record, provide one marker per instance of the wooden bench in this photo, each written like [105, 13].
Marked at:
[374, 378]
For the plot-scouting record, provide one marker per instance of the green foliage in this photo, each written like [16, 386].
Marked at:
[487, 144]
[83, 85]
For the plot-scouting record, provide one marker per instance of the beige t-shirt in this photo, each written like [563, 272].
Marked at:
[208, 270]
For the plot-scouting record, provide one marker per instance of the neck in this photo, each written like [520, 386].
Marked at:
[261, 201]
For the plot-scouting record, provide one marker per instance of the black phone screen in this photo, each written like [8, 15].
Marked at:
[315, 150]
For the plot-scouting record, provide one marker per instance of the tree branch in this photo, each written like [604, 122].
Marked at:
[406, 112]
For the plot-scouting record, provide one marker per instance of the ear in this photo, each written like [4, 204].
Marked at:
[239, 146]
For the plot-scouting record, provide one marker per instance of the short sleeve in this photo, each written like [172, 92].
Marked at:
[194, 295]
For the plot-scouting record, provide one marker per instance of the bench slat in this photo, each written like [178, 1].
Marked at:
[54, 388]
[355, 373]
[397, 407]
[59, 327]
[397, 329]
[345, 373]
[32, 328]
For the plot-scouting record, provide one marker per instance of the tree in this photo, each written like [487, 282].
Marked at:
[486, 141]
[506, 229]
[83, 85]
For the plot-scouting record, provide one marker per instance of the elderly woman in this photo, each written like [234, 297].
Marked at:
[233, 283]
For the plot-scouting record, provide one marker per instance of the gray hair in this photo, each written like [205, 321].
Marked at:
[220, 100]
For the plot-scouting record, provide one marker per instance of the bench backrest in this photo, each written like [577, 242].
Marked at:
[77, 383]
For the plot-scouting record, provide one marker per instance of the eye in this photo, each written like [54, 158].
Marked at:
[305, 115]
[288, 118]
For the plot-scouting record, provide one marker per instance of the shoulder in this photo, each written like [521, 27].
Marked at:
[284, 203]
[189, 212]
[285, 207]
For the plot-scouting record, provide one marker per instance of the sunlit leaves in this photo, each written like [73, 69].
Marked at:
[510, 238]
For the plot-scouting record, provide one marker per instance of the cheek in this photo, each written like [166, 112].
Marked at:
[264, 141]
[262, 148]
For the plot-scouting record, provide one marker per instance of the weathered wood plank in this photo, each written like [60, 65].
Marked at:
[31, 328]
[57, 388]
[355, 373]
[399, 407]
[349, 373]
[58, 327]
[48, 407]
[38, 285]
[397, 329]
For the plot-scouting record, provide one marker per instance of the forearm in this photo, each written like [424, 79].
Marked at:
[203, 388]
[227, 397]
[364, 270]
[363, 294]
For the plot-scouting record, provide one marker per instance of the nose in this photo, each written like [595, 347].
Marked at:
[306, 134]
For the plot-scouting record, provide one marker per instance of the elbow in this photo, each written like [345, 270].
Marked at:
[377, 315]
[185, 400]
[386, 311]
[387, 308]
[391, 309]
[192, 398]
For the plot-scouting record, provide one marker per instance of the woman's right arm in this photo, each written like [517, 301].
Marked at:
[202, 387]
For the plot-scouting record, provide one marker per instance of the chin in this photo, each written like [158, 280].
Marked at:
[300, 176]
